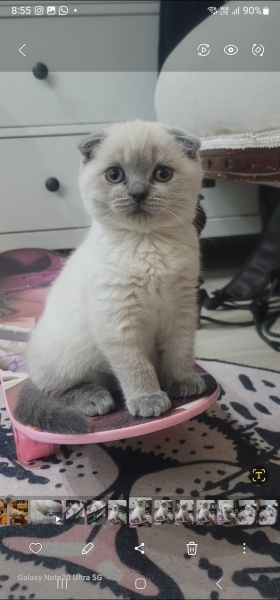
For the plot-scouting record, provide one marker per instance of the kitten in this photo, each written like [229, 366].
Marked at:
[226, 508]
[162, 512]
[138, 513]
[18, 515]
[247, 512]
[122, 314]
[267, 513]
[204, 513]
[96, 505]
[1, 507]
[114, 516]
[183, 513]
[74, 509]
[40, 508]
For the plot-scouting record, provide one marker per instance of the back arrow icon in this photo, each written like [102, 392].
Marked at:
[20, 49]
[217, 583]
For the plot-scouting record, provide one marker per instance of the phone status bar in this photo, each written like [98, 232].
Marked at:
[224, 11]
[41, 11]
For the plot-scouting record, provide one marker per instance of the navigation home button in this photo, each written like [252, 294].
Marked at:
[140, 583]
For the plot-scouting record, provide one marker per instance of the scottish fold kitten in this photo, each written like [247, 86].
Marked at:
[122, 314]
[40, 509]
[248, 512]
[18, 515]
[162, 511]
[269, 512]
[204, 512]
[96, 505]
[227, 509]
[114, 516]
[183, 513]
[138, 513]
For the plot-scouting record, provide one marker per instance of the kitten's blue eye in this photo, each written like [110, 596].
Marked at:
[163, 174]
[115, 175]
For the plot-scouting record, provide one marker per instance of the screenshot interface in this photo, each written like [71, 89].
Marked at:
[187, 508]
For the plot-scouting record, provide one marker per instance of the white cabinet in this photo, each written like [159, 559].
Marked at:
[29, 205]
[43, 120]
[231, 208]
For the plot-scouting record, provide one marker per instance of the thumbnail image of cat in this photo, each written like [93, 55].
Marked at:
[74, 510]
[226, 508]
[114, 515]
[18, 516]
[162, 511]
[247, 515]
[138, 513]
[126, 320]
[267, 515]
[203, 512]
[96, 511]
[45, 511]
[3, 513]
[184, 511]
[117, 512]
[96, 505]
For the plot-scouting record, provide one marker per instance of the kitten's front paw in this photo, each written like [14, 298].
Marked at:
[192, 385]
[149, 405]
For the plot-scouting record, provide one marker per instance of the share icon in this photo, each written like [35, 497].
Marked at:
[139, 548]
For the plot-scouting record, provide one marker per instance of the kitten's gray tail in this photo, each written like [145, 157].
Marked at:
[36, 409]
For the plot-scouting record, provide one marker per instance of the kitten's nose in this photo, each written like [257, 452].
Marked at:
[138, 197]
[138, 192]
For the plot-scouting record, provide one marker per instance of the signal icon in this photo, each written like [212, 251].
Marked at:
[212, 9]
[236, 11]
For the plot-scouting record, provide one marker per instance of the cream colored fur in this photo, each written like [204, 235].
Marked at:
[123, 311]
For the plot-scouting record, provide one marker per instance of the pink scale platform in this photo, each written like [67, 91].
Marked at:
[32, 443]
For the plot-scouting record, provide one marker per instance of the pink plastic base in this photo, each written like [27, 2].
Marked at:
[28, 449]
[32, 444]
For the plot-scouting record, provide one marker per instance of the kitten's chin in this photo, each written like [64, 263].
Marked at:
[145, 223]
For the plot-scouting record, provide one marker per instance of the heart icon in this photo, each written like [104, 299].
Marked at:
[35, 548]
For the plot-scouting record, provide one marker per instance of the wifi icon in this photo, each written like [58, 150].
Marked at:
[212, 9]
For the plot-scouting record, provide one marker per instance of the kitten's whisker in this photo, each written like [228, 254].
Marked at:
[110, 217]
[173, 214]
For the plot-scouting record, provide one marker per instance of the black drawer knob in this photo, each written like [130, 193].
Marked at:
[52, 184]
[40, 71]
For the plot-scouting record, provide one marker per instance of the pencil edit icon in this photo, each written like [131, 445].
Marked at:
[88, 548]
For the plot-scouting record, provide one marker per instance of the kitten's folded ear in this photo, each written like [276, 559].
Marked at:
[89, 145]
[190, 143]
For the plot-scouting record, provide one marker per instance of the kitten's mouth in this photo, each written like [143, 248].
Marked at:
[142, 210]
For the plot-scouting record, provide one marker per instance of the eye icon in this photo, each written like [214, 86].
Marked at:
[230, 49]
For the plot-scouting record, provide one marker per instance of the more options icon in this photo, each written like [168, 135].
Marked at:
[203, 50]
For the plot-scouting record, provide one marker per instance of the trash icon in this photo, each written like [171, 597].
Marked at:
[191, 548]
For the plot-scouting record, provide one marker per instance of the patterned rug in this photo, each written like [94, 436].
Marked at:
[209, 457]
